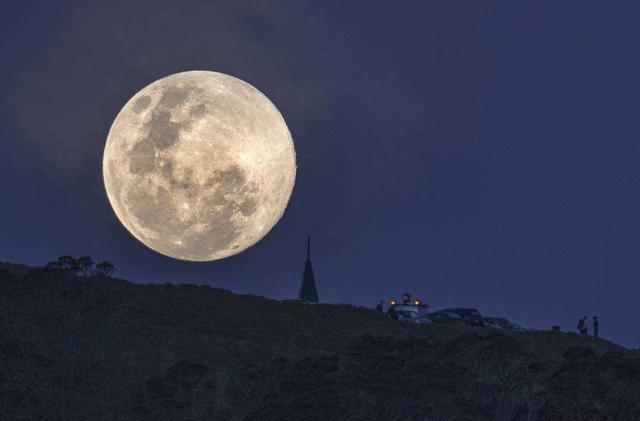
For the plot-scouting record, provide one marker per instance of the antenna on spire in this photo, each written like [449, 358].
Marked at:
[308, 247]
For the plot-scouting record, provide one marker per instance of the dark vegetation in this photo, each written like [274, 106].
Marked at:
[83, 266]
[76, 344]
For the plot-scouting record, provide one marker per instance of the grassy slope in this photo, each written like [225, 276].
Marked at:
[136, 331]
[129, 332]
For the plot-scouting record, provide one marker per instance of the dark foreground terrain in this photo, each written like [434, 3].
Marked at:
[96, 348]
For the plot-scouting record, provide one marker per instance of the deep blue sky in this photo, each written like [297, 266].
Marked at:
[476, 153]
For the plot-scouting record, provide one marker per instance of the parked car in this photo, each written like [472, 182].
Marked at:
[503, 324]
[445, 317]
[469, 315]
[407, 316]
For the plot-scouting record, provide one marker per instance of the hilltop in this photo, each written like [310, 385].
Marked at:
[101, 348]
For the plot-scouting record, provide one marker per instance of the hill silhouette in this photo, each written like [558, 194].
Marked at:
[99, 348]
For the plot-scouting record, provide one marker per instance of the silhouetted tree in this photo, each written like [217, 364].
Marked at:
[104, 268]
[85, 265]
[64, 262]
[68, 262]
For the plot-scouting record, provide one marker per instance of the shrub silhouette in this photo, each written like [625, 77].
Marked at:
[85, 265]
[64, 262]
[104, 269]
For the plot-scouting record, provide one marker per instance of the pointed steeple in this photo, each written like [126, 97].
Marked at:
[308, 292]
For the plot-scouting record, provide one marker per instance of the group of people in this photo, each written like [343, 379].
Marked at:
[583, 326]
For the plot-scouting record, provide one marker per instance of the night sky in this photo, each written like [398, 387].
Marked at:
[477, 153]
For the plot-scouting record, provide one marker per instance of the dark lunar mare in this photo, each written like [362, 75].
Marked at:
[225, 194]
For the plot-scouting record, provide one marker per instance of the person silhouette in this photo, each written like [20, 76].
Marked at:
[596, 327]
[406, 298]
[581, 326]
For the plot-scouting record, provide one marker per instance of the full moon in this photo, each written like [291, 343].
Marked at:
[199, 166]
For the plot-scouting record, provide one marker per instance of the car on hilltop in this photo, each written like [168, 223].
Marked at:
[470, 316]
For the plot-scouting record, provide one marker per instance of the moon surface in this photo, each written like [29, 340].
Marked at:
[199, 166]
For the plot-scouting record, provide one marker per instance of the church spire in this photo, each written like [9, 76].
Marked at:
[308, 292]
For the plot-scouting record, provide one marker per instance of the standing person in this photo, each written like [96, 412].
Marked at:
[596, 327]
[406, 298]
[586, 326]
[581, 326]
[380, 307]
